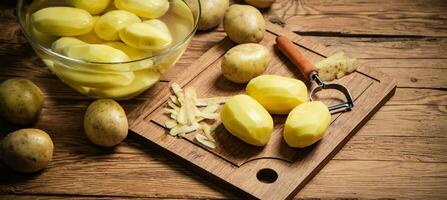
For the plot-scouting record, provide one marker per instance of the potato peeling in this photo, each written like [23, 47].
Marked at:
[186, 117]
[336, 66]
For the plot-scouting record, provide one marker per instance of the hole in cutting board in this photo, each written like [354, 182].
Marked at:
[267, 175]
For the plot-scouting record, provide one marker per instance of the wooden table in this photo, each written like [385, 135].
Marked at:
[401, 153]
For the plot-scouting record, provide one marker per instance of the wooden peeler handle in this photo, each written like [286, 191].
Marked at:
[289, 49]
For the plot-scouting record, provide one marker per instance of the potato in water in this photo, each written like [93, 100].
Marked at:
[93, 7]
[74, 22]
[20, 101]
[150, 35]
[27, 150]
[244, 24]
[148, 9]
[110, 24]
[105, 123]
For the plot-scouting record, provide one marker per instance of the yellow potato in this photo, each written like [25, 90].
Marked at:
[91, 79]
[91, 36]
[105, 123]
[150, 35]
[144, 79]
[212, 13]
[62, 21]
[93, 7]
[179, 19]
[97, 53]
[20, 101]
[244, 62]
[61, 45]
[27, 150]
[132, 53]
[244, 24]
[144, 8]
[246, 119]
[110, 24]
[260, 3]
[101, 54]
[306, 124]
[279, 95]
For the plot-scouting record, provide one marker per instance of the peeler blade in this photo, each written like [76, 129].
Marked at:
[341, 107]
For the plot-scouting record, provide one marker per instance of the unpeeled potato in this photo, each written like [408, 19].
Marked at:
[212, 13]
[260, 3]
[20, 101]
[105, 123]
[27, 150]
[244, 24]
[244, 62]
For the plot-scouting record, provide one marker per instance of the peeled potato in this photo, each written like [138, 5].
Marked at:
[244, 24]
[62, 44]
[97, 53]
[131, 52]
[279, 95]
[244, 62]
[62, 21]
[246, 119]
[144, 8]
[306, 124]
[93, 7]
[150, 35]
[91, 36]
[143, 80]
[110, 24]
[180, 20]
[91, 79]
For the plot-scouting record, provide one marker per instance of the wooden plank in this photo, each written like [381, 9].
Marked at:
[408, 120]
[356, 17]
[340, 179]
[412, 96]
[379, 179]
[388, 48]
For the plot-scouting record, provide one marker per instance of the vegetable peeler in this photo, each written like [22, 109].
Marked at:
[310, 72]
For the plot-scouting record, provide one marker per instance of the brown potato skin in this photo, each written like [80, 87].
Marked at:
[105, 123]
[244, 24]
[27, 150]
[20, 101]
[212, 13]
[245, 62]
[260, 3]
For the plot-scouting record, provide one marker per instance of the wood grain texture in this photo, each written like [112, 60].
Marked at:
[412, 114]
[355, 17]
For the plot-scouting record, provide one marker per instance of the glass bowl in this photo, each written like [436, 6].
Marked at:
[115, 80]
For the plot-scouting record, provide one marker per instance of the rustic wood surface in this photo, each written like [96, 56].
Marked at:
[401, 153]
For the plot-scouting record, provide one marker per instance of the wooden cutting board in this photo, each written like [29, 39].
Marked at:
[275, 171]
